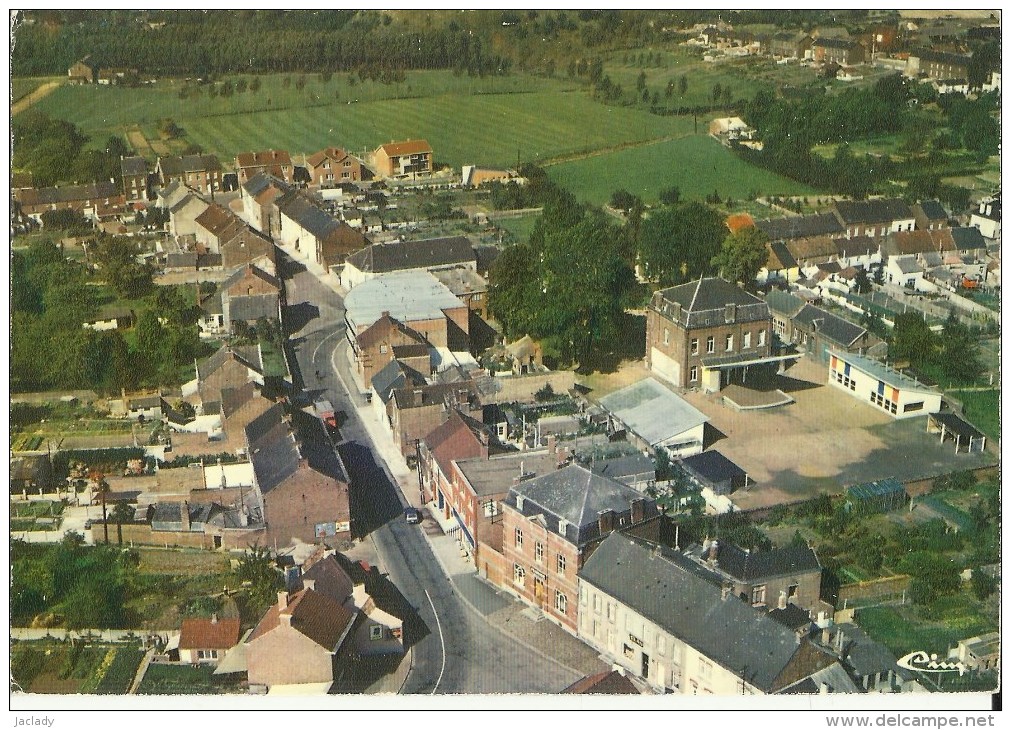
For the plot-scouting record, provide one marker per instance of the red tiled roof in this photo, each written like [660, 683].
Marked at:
[738, 221]
[208, 633]
[457, 438]
[333, 153]
[267, 157]
[410, 147]
[314, 615]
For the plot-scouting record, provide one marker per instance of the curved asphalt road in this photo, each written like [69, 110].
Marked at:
[455, 650]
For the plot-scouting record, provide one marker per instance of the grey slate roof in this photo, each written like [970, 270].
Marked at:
[251, 307]
[188, 163]
[186, 259]
[873, 211]
[830, 326]
[784, 303]
[802, 226]
[665, 588]
[380, 258]
[388, 379]
[907, 264]
[300, 208]
[968, 238]
[783, 254]
[248, 355]
[792, 617]
[577, 495]
[134, 166]
[760, 564]
[933, 210]
[622, 467]
[712, 467]
[703, 303]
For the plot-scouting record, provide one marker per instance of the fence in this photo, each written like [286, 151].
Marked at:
[106, 635]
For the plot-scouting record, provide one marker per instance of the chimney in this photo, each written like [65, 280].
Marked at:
[714, 551]
[519, 502]
[605, 521]
[782, 600]
[185, 516]
[638, 511]
[552, 444]
[214, 618]
[282, 599]
[826, 637]
[309, 584]
[839, 641]
[725, 591]
[822, 688]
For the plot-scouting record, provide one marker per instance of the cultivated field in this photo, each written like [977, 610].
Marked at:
[59, 668]
[697, 164]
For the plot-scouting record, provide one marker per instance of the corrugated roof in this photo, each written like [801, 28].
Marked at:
[407, 295]
[653, 411]
[880, 488]
[401, 255]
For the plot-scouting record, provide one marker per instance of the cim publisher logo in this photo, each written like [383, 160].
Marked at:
[921, 661]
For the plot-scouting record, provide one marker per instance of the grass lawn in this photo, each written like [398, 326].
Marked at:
[273, 361]
[902, 630]
[982, 408]
[517, 230]
[697, 165]
[488, 121]
[40, 508]
[22, 87]
[168, 679]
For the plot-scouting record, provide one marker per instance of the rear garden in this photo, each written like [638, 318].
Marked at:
[79, 667]
[35, 515]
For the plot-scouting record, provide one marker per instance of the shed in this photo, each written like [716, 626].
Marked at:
[712, 469]
[952, 426]
[657, 416]
[883, 495]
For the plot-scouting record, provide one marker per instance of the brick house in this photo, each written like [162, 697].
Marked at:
[789, 44]
[300, 477]
[205, 640]
[552, 524]
[214, 225]
[706, 334]
[413, 412]
[299, 640]
[91, 200]
[229, 367]
[815, 330]
[259, 197]
[670, 622]
[374, 347]
[401, 159]
[838, 50]
[84, 71]
[332, 166]
[314, 234]
[200, 172]
[937, 65]
[276, 163]
[249, 295]
[135, 182]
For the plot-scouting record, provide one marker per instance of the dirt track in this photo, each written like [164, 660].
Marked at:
[26, 101]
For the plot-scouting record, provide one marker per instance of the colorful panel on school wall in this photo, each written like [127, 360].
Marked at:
[846, 371]
[835, 360]
[895, 395]
[881, 387]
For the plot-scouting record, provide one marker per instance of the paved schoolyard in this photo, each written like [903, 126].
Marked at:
[823, 442]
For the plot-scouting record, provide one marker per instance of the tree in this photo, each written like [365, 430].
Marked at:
[862, 281]
[959, 351]
[118, 258]
[257, 567]
[742, 255]
[70, 221]
[121, 512]
[717, 92]
[682, 85]
[912, 339]
[670, 196]
[102, 486]
[623, 200]
[983, 584]
[677, 244]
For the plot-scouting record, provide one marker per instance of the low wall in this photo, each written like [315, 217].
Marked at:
[493, 566]
[869, 590]
[144, 535]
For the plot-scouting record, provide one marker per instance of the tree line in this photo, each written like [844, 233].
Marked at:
[52, 297]
[54, 152]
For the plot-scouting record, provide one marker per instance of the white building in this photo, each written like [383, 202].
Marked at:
[658, 417]
[668, 621]
[878, 385]
[904, 271]
[987, 218]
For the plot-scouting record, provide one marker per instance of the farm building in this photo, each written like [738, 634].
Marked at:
[874, 382]
[883, 495]
[963, 433]
[657, 417]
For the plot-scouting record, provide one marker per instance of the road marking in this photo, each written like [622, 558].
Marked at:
[438, 623]
[316, 351]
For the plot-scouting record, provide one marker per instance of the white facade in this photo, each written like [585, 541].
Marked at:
[876, 385]
[649, 651]
[904, 271]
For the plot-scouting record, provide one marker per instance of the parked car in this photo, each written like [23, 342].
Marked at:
[412, 516]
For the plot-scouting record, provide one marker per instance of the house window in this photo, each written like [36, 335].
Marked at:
[490, 508]
[912, 407]
[347, 163]
[758, 595]
[761, 338]
[478, 297]
[666, 336]
[345, 175]
[375, 633]
[519, 575]
[661, 645]
[628, 651]
[695, 345]
[693, 374]
[383, 349]
[519, 538]
[747, 340]
[730, 343]
[539, 552]
[711, 345]
[705, 668]
[560, 564]
[582, 595]
[596, 603]
[561, 602]
[791, 591]
[612, 612]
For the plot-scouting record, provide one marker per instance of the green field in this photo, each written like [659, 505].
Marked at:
[697, 165]
[22, 87]
[168, 679]
[58, 668]
[982, 408]
[518, 230]
[490, 121]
